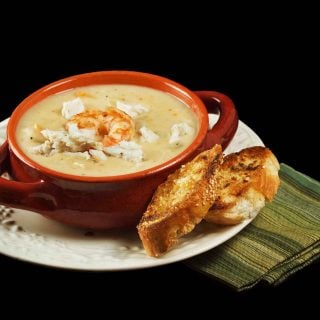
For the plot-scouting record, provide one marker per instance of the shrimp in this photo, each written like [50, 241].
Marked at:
[111, 125]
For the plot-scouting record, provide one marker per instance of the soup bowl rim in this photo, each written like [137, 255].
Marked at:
[42, 93]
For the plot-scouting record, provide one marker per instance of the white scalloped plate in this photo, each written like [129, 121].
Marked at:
[49, 243]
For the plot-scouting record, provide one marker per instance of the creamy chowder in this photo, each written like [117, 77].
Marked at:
[106, 130]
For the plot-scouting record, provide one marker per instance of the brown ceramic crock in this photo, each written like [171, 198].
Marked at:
[112, 201]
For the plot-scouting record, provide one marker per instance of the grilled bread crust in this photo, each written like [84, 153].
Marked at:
[180, 203]
[244, 181]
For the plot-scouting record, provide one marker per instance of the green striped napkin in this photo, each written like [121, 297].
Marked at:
[283, 238]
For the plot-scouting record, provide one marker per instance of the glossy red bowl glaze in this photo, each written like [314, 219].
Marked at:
[112, 201]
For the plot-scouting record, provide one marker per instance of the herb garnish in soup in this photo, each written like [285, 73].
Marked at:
[106, 130]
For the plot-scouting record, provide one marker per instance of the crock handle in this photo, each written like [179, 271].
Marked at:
[226, 127]
[14, 193]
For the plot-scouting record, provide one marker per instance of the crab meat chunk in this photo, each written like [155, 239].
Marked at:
[128, 150]
[148, 135]
[179, 130]
[133, 110]
[71, 108]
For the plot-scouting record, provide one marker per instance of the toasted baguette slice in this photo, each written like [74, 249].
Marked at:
[180, 203]
[244, 181]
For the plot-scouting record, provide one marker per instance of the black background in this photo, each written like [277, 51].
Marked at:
[269, 69]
